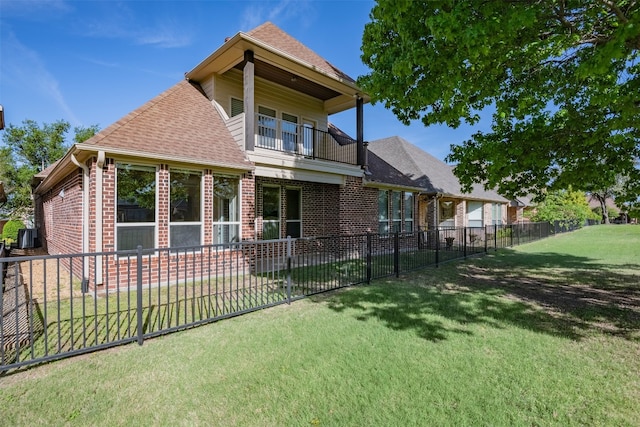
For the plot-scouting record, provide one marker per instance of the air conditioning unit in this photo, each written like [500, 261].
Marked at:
[27, 238]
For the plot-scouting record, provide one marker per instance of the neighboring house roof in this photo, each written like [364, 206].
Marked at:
[275, 37]
[430, 174]
[522, 201]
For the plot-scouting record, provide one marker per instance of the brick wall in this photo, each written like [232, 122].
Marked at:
[319, 206]
[58, 216]
[358, 207]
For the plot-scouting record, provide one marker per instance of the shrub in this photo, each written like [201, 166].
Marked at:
[10, 231]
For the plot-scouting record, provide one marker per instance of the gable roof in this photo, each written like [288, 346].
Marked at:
[430, 174]
[179, 123]
[180, 126]
[272, 35]
[280, 58]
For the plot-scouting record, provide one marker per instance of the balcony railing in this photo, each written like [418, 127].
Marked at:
[303, 140]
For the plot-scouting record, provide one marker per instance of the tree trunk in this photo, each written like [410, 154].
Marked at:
[603, 206]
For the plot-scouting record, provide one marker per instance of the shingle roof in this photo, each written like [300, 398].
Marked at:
[180, 122]
[421, 168]
[275, 37]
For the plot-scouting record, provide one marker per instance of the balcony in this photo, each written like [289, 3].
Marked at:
[303, 140]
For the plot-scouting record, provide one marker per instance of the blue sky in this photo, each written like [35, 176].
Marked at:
[92, 62]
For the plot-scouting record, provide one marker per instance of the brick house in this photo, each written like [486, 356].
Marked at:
[242, 149]
[440, 203]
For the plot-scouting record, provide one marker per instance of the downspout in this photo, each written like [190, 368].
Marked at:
[99, 248]
[85, 218]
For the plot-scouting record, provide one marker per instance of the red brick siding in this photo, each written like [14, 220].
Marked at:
[319, 206]
[358, 207]
[58, 218]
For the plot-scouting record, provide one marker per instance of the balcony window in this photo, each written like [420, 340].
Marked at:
[289, 132]
[186, 210]
[237, 107]
[267, 128]
[136, 206]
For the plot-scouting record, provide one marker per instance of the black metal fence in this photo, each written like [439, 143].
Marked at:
[51, 309]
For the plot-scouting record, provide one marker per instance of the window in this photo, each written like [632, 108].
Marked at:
[266, 127]
[289, 132]
[184, 202]
[383, 212]
[474, 214]
[396, 210]
[136, 206]
[447, 214]
[270, 213]
[496, 213]
[307, 138]
[226, 210]
[237, 107]
[408, 212]
[294, 217]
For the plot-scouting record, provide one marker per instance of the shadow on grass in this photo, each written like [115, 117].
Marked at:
[560, 295]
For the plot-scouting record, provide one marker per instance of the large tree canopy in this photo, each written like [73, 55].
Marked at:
[562, 78]
[27, 150]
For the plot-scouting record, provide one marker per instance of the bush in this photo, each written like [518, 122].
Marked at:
[10, 231]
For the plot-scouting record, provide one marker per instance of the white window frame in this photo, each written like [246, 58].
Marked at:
[188, 223]
[286, 220]
[267, 135]
[271, 221]
[408, 201]
[383, 215]
[238, 202]
[283, 131]
[154, 224]
[475, 209]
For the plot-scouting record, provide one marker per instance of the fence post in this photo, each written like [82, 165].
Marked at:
[495, 237]
[288, 269]
[464, 241]
[437, 246]
[511, 235]
[139, 294]
[396, 253]
[369, 257]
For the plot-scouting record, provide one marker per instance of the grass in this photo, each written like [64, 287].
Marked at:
[544, 334]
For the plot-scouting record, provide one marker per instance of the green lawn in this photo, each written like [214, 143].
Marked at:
[547, 333]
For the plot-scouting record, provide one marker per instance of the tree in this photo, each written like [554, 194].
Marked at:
[565, 206]
[561, 77]
[27, 150]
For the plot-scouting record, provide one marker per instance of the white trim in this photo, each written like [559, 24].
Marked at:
[178, 223]
[300, 175]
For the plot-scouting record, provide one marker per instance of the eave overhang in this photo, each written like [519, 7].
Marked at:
[83, 152]
[292, 72]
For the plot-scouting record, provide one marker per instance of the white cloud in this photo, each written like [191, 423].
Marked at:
[23, 68]
[34, 9]
[278, 12]
[119, 21]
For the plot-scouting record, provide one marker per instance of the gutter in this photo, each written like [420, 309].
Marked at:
[99, 234]
[85, 217]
